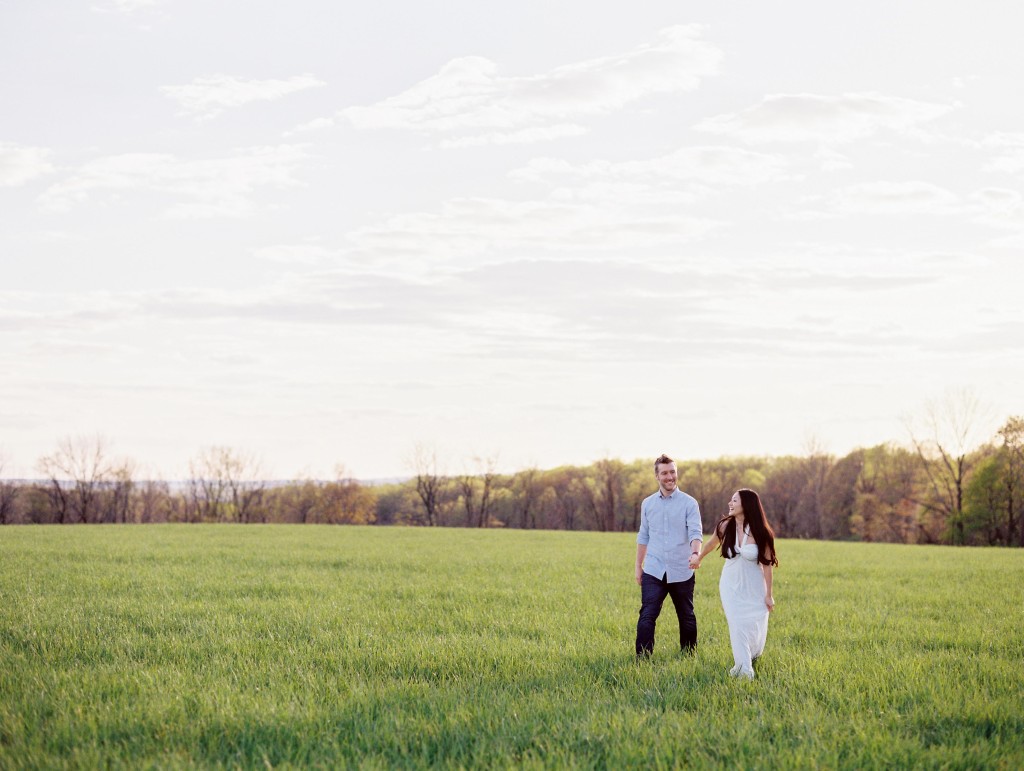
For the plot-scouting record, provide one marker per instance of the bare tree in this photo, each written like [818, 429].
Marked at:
[465, 485]
[637, 487]
[565, 496]
[8, 495]
[226, 485]
[119, 493]
[207, 488]
[247, 486]
[944, 448]
[526, 486]
[701, 480]
[155, 503]
[429, 482]
[818, 463]
[603, 493]
[711, 483]
[478, 511]
[346, 501]
[794, 492]
[783, 488]
[77, 471]
[301, 500]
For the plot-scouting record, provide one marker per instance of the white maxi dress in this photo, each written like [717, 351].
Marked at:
[742, 588]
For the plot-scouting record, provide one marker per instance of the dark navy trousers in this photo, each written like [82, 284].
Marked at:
[652, 595]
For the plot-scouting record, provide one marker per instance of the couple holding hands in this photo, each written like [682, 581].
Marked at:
[670, 547]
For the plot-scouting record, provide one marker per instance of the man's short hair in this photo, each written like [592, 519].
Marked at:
[663, 458]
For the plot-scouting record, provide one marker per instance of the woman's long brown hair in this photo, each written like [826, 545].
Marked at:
[755, 518]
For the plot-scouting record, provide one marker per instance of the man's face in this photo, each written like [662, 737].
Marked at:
[667, 477]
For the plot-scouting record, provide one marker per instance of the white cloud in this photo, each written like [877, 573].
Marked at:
[314, 125]
[881, 198]
[208, 96]
[830, 160]
[524, 136]
[602, 207]
[823, 119]
[706, 165]
[1000, 208]
[570, 306]
[653, 190]
[1013, 241]
[468, 96]
[1011, 162]
[1010, 152]
[886, 197]
[998, 199]
[125, 6]
[21, 163]
[620, 194]
[1003, 139]
[297, 254]
[1011, 159]
[485, 228]
[216, 187]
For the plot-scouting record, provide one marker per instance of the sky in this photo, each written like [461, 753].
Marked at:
[540, 233]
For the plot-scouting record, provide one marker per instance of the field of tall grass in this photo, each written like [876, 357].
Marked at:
[179, 646]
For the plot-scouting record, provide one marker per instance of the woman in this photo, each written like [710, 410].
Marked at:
[748, 546]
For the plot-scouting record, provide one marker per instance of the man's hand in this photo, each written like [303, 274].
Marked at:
[640, 574]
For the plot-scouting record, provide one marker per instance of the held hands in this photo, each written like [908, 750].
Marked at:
[694, 561]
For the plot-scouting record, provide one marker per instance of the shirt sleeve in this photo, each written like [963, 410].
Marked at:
[694, 524]
[644, 536]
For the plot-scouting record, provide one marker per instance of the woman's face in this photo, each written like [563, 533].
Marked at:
[735, 505]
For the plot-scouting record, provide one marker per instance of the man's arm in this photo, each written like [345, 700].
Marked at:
[641, 553]
[695, 559]
[642, 539]
[696, 529]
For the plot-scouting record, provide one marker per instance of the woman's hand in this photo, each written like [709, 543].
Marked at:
[770, 602]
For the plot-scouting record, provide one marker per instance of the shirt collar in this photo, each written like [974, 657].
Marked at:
[670, 495]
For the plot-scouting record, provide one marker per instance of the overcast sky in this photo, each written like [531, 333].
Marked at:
[549, 232]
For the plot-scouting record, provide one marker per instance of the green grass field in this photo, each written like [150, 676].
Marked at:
[305, 646]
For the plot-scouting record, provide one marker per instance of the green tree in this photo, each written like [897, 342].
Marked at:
[785, 481]
[885, 492]
[839, 495]
[984, 503]
[1012, 434]
[603, 492]
[564, 497]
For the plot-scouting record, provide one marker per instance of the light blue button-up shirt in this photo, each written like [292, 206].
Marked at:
[667, 525]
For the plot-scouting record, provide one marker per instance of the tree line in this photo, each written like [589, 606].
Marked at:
[934, 490]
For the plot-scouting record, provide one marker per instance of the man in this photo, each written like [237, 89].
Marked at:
[670, 531]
